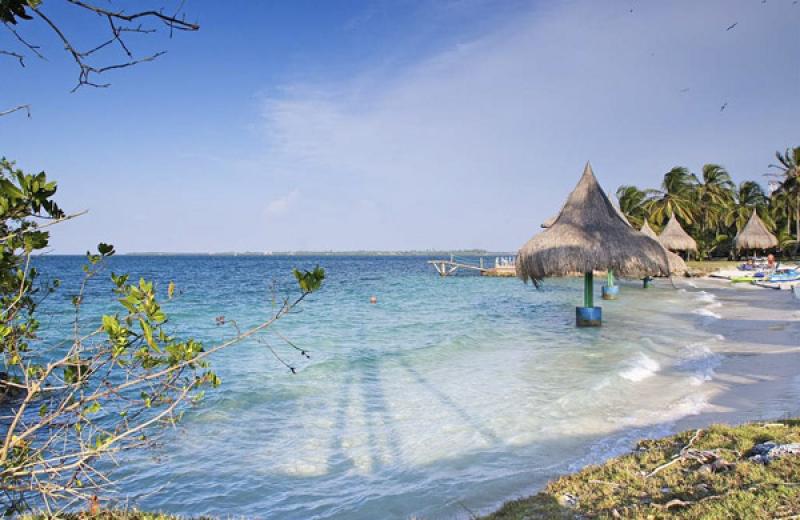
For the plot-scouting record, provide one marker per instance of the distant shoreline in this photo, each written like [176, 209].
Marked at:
[470, 253]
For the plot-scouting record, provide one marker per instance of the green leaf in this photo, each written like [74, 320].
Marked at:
[105, 249]
[147, 330]
[110, 325]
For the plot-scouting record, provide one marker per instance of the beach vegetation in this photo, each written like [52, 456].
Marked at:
[708, 474]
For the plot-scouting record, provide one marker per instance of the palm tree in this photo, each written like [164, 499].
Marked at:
[632, 203]
[748, 197]
[713, 194]
[676, 196]
[780, 210]
[789, 168]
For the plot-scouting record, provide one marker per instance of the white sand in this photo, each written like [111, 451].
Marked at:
[759, 377]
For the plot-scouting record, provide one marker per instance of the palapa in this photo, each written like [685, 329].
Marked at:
[590, 235]
[551, 220]
[755, 235]
[674, 238]
[676, 263]
[647, 230]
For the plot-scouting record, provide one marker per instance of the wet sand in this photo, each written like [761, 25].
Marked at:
[759, 376]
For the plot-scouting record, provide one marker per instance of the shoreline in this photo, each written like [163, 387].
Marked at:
[756, 378]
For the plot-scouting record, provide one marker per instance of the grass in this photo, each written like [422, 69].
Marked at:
[713, 265]
[630, 486]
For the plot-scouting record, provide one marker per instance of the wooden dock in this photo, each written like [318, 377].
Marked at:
[453, 265]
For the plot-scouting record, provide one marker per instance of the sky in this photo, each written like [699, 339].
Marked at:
[396, 124]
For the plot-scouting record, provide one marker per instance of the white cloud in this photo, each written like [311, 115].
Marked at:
[282, 204]
[477, 144]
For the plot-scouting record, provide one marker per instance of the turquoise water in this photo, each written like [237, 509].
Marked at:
[447, 395]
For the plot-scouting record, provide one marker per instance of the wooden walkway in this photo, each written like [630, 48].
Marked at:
[449, 267]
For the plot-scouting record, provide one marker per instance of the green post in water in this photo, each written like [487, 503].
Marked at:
[610, 282]
[588, 289]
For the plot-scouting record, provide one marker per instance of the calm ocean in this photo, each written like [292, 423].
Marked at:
[448, 394]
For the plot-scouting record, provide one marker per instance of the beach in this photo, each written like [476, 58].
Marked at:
[448, 393]
[759, 373]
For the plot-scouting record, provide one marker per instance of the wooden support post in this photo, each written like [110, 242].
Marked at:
[588, 315]
[588, 289]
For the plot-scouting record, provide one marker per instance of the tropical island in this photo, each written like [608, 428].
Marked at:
[614, 338]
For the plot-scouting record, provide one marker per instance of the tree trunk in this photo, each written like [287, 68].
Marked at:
[797, 220]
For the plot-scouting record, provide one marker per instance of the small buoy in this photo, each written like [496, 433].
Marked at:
[373, 299]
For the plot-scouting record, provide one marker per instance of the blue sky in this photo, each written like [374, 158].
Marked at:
[397, 124]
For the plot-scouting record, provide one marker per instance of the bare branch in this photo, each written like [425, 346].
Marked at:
[86, 69]
[26, 108]
[171, 21]
[33, 48]
[19, 57]
[51, 223]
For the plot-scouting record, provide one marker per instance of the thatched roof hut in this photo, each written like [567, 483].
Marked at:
[552, 220]
[676, 263]
[674, 238]
[549, 222]
[647, 230]
[755, 235]
[589, 235]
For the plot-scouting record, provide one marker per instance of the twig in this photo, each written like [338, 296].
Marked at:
[20, 57]
[681, 455]
[26, 108]
[51, 223]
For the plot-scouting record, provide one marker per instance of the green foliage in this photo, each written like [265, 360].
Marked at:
[11, 10]
[713, 210]
[25, 200]
[103, 391]
[632, 203]
[309, 281]
[675, 196]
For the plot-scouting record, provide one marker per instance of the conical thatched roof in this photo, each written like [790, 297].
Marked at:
[552, 220]
[675, 238]
[755, 235]
[647, 230]
[676, 263]
[620, 213]
[589, 235]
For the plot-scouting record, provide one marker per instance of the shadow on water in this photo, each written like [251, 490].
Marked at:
[376, 410]
[363, 374]
[451, 403]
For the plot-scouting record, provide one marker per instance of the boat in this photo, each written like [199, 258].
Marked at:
[783, 275]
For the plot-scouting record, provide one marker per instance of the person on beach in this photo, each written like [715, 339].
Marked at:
[771, 265]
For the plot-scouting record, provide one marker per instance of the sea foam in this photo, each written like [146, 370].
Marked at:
[640, 368]
[701, 361]
[706, 312]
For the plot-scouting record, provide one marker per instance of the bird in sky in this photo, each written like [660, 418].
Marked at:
[732, 26]
[723, 106]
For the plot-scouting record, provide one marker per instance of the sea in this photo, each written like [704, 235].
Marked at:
[443, 399]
